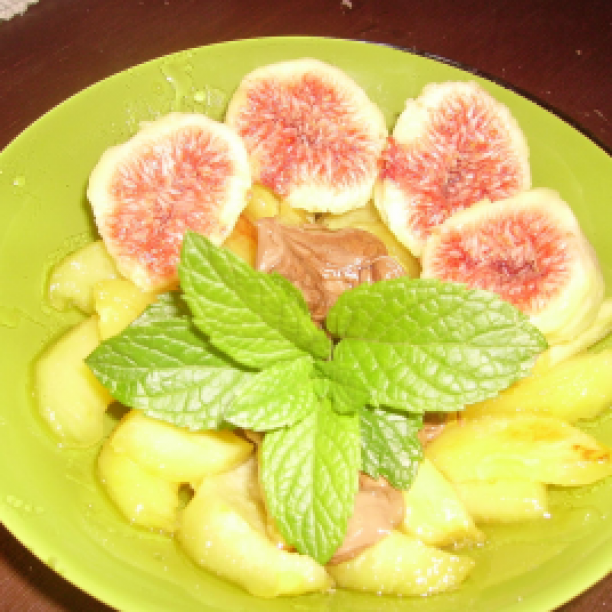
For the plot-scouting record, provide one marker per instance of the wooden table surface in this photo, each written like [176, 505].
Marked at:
[558, 52]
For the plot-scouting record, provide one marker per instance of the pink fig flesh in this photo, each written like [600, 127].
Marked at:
[305, 130]
[168, 187]
[464, 155]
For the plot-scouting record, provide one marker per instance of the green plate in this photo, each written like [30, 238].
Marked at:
[49, 497]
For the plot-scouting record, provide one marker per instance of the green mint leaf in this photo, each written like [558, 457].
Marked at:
[390, 445]
[423, 345]
[292, 292]
[309, 474]
[342, 385]
[276, 397]
[169, 305]
[169, 370]
[256, 318]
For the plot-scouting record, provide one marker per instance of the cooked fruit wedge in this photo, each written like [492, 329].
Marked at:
[598, 330]
[118, 302]
[435, 514]
[508, 500]
[72, 279]
[243, 240]
[144, 499]
[263, 203]
[70, 398]
[452, 146]
[578, 388]
[312, 134]
[181, 172]
[530, 250]
[223, 529]
[402, 565]
[532, 447]
[177, 454]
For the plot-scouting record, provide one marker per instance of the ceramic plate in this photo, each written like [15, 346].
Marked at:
[49, 497]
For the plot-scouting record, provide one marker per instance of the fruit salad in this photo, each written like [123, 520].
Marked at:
[338, 352]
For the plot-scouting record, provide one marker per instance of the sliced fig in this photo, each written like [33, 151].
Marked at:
[453, 146]
[531, 251]
[181, 172]
[312, 134]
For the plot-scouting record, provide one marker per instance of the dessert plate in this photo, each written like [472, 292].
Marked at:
[49, 497]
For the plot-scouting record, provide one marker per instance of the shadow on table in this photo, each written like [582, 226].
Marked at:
[35, 586]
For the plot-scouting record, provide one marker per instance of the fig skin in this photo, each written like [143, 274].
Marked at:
[181, 172]
[452, 146]
[313, 135]
[531, 250]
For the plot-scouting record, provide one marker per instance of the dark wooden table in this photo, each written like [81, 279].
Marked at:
[558, 52]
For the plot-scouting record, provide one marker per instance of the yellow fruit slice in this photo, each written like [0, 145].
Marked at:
[223, 529]
[530, 447]
[243, 240]
[143, 498]
[177, 454]
[435, 514]
[118, 302]
[72, 279]
[402, 565]
[508, 500]
[599, 329]
[578, 388]
[70, 398]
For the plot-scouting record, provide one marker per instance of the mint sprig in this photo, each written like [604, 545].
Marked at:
[169, 370]
[258, 319]
[424, 345]
[390, 446]
[310, 474]
[237, 348]
[279, 396]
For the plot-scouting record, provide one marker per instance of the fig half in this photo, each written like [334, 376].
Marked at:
[453, 146]
[312, 134]
[531, 251]
[181, 172]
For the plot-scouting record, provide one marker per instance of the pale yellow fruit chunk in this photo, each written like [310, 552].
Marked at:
[118, 302]
[243, 240]
[287, 215]
[264, 203]
[402, 565]
[578, 388]
[434, 512]
[73, 278]
[599, 329]
[177, 454]
[532, 447]
[144, 498]
[261, 203]
[70, 398]
[223, 530]
[504, 501]
[368, 219]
